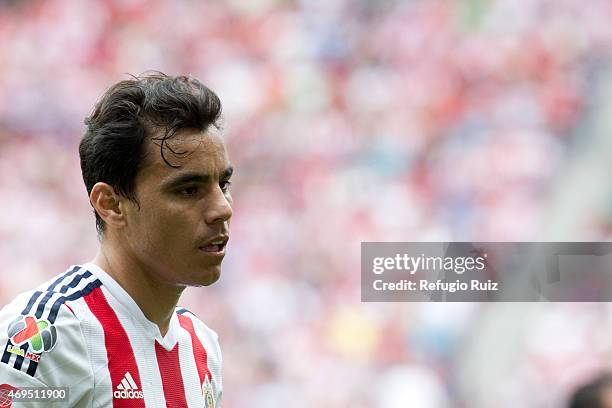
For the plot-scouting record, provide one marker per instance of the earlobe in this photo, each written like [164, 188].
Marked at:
[106, 203]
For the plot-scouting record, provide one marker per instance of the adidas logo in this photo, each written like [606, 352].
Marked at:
[127, 388]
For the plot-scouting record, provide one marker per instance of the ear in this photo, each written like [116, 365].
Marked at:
[107, 204]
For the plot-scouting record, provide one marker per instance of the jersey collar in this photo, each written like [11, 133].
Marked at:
[128, 303]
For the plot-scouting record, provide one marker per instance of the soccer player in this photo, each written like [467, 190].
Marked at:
[157, 172]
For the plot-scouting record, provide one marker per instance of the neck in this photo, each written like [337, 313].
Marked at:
[156, 299]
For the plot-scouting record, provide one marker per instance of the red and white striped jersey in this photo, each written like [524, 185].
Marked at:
[81, 330]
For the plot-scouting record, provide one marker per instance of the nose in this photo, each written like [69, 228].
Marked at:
[219, 207]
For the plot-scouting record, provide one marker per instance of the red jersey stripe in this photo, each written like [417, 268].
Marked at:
[172, 379]
[119, 351]
[199, 352]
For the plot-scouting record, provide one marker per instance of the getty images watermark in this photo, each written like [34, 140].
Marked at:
[486, 271]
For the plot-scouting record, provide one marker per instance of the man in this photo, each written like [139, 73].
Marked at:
[157, 173]
[595, 394]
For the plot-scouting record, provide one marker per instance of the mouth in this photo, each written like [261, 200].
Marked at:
[215, 247]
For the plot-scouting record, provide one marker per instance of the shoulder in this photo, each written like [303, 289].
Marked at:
[201, 333]
[205, 343]
[41, 340]
[190, 322]
[50, 300]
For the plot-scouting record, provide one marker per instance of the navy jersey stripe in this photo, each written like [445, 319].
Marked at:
[33, 299]
[45, 299]
[55, 311]
[62, 276]
[74, 296]
[56, 298]
[52, 286]
[75, 281]
[181, 311]
[32, 368]
[42, 303]
[19, 359]
[6, 356]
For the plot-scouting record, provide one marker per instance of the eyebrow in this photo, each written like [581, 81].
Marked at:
[196, 177]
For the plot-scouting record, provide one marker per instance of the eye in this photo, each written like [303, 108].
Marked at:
[225, 185]
[188, 191]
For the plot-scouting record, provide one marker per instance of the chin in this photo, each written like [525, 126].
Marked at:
[208, 276]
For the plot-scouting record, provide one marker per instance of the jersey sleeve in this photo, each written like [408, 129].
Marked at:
[216, 363]
[209, 339]
[44, 349]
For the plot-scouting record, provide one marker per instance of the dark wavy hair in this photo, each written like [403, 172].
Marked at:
[151, 106]
[589, 395]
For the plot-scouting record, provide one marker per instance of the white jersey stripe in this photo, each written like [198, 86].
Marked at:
[191, 378]
[94, 333]
[144, 353]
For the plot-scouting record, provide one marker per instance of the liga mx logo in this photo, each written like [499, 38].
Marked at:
[38, 333]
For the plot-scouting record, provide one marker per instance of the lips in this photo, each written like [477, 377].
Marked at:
[213, 248]
[215, 245]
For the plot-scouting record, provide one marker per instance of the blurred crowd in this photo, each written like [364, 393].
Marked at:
[347, 121]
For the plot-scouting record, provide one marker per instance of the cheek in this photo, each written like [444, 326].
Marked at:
[147, 224]
[164, 226]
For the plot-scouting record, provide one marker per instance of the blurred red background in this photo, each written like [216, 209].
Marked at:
[347, 121]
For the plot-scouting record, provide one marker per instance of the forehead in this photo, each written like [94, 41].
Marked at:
[187, 151]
